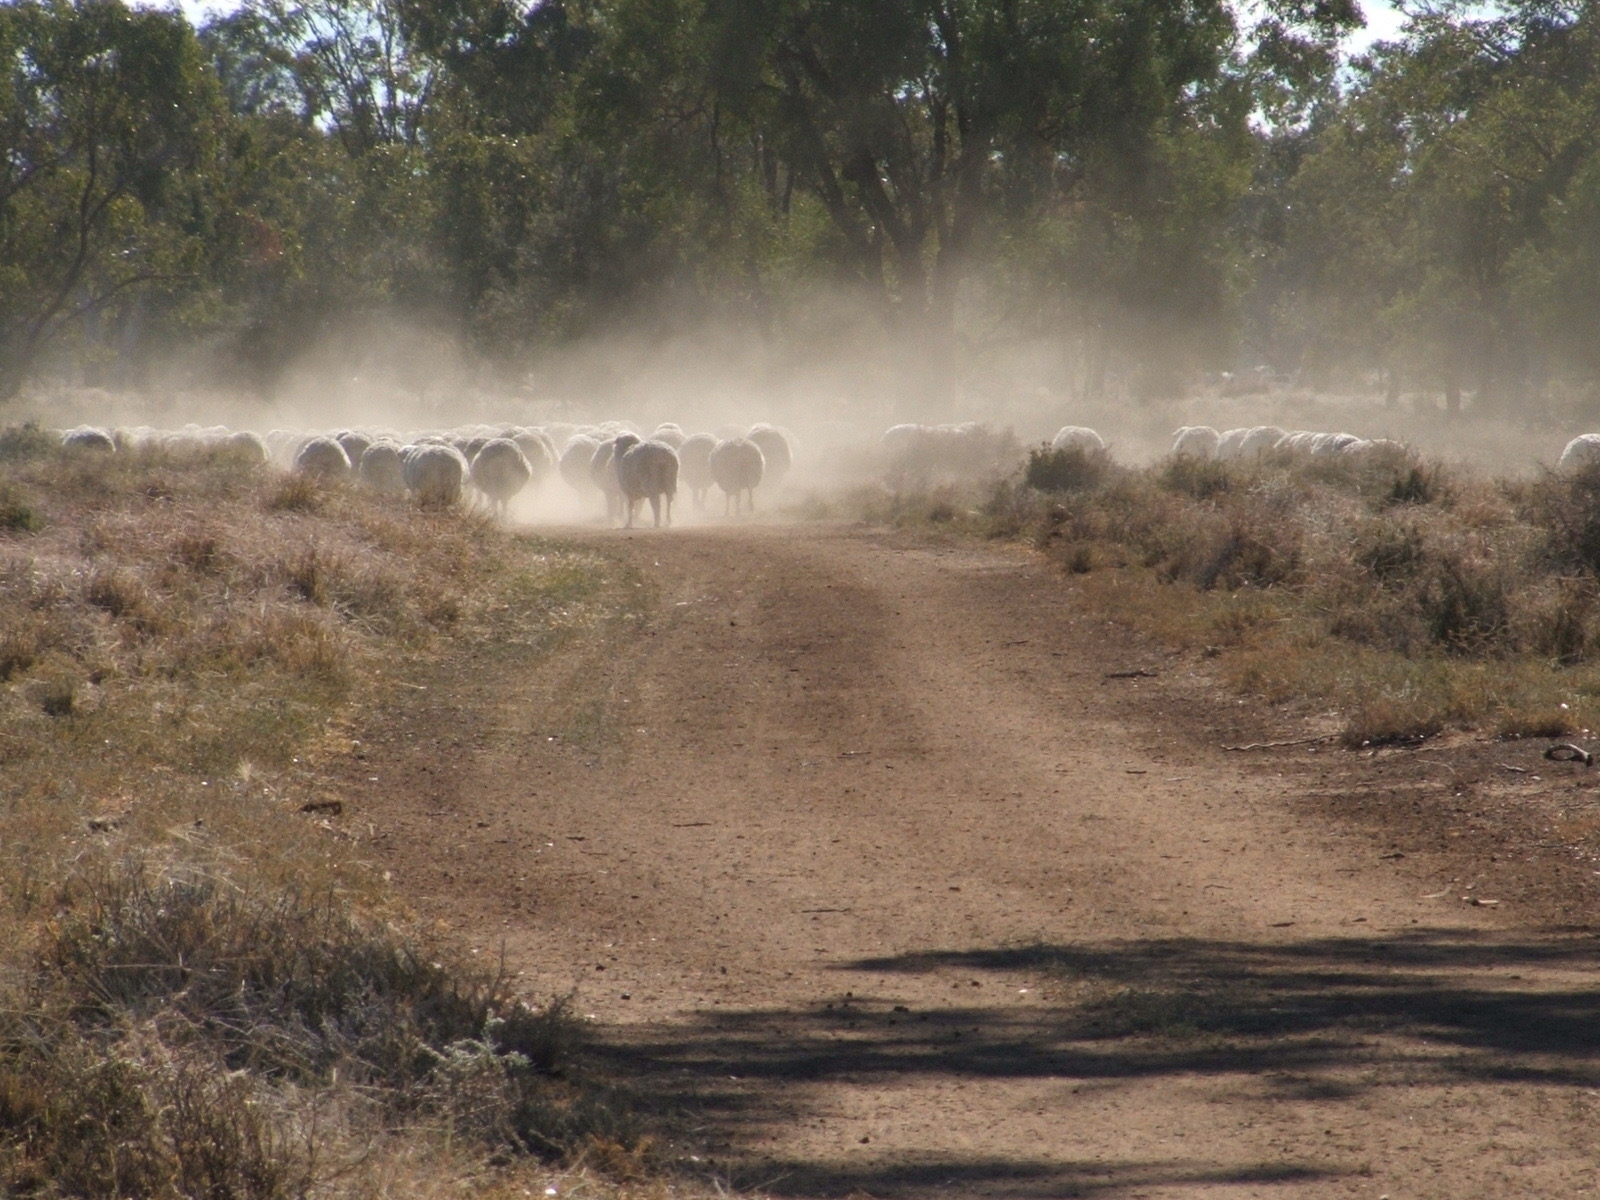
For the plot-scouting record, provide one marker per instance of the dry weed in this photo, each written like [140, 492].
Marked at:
[198, 995]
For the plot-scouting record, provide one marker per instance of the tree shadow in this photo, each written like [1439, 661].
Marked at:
[1314, 1020]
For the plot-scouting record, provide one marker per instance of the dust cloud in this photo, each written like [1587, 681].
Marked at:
[834, 393]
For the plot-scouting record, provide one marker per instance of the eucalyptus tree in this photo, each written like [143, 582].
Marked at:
[106, 117]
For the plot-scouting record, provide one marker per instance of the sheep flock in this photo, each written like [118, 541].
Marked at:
[490, 466]
[616, 468]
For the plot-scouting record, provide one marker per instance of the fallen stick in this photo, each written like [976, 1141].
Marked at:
[1311, 741]
[1141, 673]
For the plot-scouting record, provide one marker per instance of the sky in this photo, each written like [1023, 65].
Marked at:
[1383, 24]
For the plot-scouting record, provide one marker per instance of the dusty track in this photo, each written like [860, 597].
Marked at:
[853, 848]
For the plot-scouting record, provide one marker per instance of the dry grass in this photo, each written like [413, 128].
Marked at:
[203, 992]
[1410, 596]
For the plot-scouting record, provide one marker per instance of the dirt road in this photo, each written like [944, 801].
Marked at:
[853, 846]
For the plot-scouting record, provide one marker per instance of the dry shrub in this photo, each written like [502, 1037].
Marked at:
[1413, 596]
[173, 1014]
[1198, 478]
[1070, 469]
[274, 982]
[179, 617]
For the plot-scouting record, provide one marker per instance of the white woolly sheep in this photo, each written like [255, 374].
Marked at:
[694, 466]
[1248, 444]
[645, 471]
[354, 442]
[1195, 441]
[1077, 437]
[1582, 454]
[602, 471]
[1331, 443]
[322, 458]
[737, 465]
[575, 460]
[539, 450]
[671, 434]
[435, 473]
[383, 469]
[248, 446]
[777, 448]
[86, 437]
[500, 470]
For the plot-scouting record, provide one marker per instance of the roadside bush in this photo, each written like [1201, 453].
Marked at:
[1198, 478]
[1071, 469]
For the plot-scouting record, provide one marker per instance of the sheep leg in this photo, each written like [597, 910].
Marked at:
[655, 510]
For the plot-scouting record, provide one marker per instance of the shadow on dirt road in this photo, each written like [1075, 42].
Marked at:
[1321, 1020]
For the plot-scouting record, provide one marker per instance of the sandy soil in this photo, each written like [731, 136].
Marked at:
[875, 855]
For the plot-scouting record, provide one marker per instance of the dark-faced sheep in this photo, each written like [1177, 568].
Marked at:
[694, 466]
[737, 465]
[323, 458]
[645, 471]
[500, 470]
[435, 474]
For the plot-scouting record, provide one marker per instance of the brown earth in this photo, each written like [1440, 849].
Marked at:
[854, 851]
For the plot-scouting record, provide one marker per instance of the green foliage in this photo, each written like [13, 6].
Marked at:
[1152, 187]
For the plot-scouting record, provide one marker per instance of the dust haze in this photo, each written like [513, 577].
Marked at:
[834, 393]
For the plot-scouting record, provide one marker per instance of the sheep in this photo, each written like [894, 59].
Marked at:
[500, 470]
[1331, 443]
[1248, 444]
[737, 465]
[355, 444]
[602, 472]
[575, 460]
[1258, 440]
[1077, 437]
[673, 435]
[322, 458]
[539, 450]
[284, 443]
[694, 466]
[645, 471]
[777, 448]
[383, 469]
[248, 446]
[86, 437]
[1195, 441]
[434, 473]
[1582, 454]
